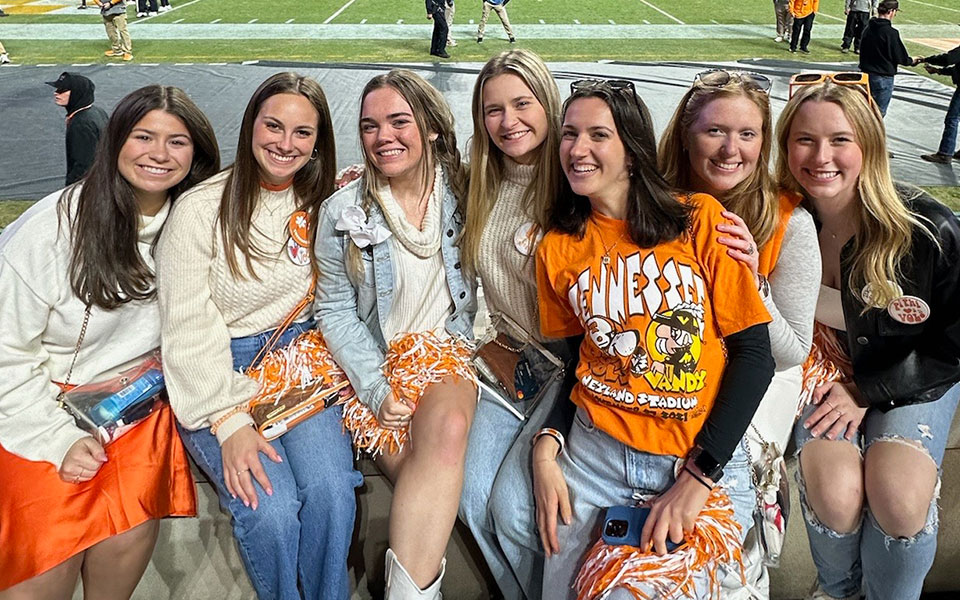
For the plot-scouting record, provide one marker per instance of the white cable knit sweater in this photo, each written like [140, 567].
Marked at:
[507, 276]
[203, 306]
[40, 319]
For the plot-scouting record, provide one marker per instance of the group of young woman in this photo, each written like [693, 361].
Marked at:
[679, 285]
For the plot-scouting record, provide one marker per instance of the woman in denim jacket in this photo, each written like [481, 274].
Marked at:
[390, 265]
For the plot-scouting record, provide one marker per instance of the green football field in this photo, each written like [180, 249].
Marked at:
[573, 12]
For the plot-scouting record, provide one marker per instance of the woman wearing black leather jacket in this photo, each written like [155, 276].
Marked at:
[886, 353]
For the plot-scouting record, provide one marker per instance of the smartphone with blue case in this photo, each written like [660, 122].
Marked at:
[622, 526]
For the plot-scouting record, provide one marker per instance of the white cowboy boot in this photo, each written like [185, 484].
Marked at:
[400, 585]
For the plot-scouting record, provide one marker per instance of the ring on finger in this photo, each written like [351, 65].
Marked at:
[750, 250]
[242, 472]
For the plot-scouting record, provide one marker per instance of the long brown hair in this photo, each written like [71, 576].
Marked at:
[106, 268]
[312, 184]
[755, 198]
[487, 160]
[654, 214]
[432, 115]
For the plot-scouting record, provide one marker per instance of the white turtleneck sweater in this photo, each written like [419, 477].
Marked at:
[40, 320]
[507, 275]
[421, 300]
[203, 306]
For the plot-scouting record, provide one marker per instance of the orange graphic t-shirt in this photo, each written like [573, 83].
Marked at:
[652, 358]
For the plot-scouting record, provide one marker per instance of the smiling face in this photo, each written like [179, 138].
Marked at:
[61, 98]
[514, 119]
[724, 143]
[284, 135]
[592, 154]
[389, 133]
[823, 153]
[156, 156]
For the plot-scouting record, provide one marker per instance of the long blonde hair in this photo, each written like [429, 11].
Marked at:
[755, 198]
[487, 160]
[433, 116]
[884, 224]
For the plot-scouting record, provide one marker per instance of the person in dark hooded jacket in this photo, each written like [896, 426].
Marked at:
[85, 122]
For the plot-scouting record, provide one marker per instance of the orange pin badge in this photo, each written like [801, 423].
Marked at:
[298, 246]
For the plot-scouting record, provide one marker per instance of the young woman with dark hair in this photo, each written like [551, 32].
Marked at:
[230, 271]
[390, 271]
[80, 263]
[674, 356]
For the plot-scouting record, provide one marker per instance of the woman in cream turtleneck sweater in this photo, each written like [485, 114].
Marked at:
[230, 271]
[514, 180]
[79, 264]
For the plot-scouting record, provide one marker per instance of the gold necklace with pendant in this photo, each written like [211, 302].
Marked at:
[606, 255]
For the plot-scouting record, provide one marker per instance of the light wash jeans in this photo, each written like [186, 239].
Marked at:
[497, 500]
[892, 568]
[601, 472]
[301, 533]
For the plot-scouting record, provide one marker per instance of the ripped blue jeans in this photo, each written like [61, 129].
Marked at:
[888, 567]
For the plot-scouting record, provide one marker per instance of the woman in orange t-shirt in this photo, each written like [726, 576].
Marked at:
[674, 354]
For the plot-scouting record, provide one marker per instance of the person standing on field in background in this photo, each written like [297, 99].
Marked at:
[85, 122]
[784, 20]
[436, 11]
[114, 13]
[803, 12]
[500, 7]
[858, 15]
[881, 50]
[451, 10]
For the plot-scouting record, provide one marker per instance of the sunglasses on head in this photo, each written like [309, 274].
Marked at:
[860, 81]
[616, 85]
[721, 77]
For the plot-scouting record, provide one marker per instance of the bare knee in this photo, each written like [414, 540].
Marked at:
[141, 536]
[448, 437]
[900, 484]
[833, 480]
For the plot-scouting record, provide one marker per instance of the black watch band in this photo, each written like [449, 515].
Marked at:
[706, 463]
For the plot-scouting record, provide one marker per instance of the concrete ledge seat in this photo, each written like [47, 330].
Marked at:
[196, 559]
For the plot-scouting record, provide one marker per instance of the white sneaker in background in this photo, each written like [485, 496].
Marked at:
[4, 59]
[140, 15]
[152, 13]
[164, 9]
[778, 39]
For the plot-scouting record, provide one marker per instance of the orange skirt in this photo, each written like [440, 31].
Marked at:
[44, 521]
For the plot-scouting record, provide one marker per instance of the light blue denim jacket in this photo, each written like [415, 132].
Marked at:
[351, 317]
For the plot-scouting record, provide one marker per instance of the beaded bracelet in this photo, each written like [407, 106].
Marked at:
[234, 411]
[552, 433]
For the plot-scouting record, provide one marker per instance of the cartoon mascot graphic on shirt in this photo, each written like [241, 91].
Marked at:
[618, 344]
[674, 340]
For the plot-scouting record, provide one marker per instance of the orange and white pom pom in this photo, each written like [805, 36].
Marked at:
[414, 362]
[304, 365]
[827, 362]
[715, 541]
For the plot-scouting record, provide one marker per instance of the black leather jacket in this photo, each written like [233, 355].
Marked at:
[895, 364]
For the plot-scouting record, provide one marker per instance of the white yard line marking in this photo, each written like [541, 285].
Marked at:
[542, 22]
[81, 64]
[646, 22]
[663, 12]
[336, 14]
[214, 21]
[362, 21]
[252, 21]
[288, 21]
[715, 22]
[177, 7]
[942, 21]
[823, 14]
[611, 21]
[935, 6]
[914, 22]
[178, 21]
[577, 21]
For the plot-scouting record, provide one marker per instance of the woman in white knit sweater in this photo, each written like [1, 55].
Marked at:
[231, 267]
[514, 180]
[78, 265]
[387, 247]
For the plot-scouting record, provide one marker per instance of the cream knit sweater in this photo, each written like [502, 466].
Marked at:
[40, 319]
[508, 276]
[203, 306]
